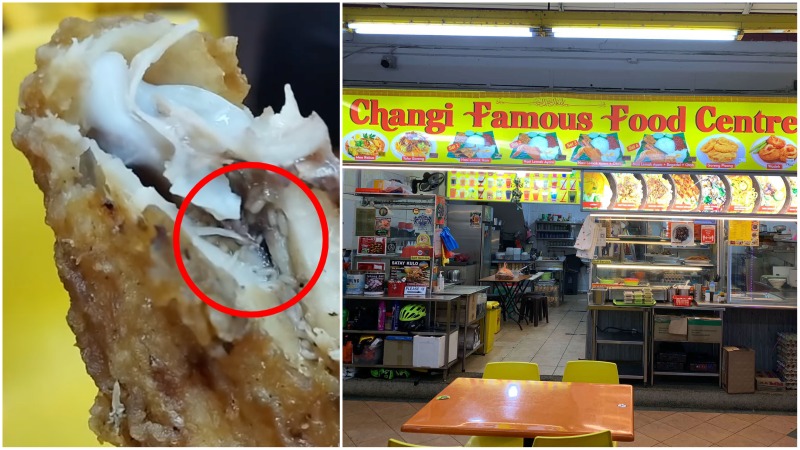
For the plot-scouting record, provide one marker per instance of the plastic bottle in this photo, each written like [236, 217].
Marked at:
[440, 282]
[396, 316]
[381, 315]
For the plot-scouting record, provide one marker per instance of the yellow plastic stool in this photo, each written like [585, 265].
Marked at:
[509, 370]
[505, 371]
[599, 439]
[591, 372]
[398, 443]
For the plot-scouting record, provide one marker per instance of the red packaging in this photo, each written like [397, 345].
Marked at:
[682, 300]
[396, 288]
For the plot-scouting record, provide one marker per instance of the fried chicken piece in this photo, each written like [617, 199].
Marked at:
[113, 164]
[720, 149]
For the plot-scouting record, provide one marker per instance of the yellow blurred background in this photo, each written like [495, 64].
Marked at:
[46, 391]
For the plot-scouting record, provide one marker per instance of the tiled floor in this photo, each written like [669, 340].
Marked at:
[372, 424]
[550, 345]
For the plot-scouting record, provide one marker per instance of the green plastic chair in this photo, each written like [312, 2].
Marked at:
[398, 443]
[599, 439]
[591, 372]
[505, 371]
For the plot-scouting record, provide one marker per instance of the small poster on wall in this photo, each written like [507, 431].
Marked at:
[416, 273]
[708, 234]
[371, 245]
[382, 226]
[681, 233]
[475, 219]
[743, 233]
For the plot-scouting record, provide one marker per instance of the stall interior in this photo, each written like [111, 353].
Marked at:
[642, 260]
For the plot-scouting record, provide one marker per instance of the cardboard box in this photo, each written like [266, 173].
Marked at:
[661, 329]
[428, 351]
[471, 304]
[769, 381]
[738, 370]
[398, 351]
[705, 329]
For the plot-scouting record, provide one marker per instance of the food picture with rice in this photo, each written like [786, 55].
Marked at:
[472, 145]
[598, 149]
[535, 146]
[629, 191]
[664, 150]
[743, 194]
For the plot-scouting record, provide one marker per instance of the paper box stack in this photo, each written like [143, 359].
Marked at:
[787, 359]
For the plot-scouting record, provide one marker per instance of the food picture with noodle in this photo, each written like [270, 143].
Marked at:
[412, 145]
[713, 193]
[629, 191]
[773, 194]
[365, 145]
[792, 209]
[659, 192]
[743, 194]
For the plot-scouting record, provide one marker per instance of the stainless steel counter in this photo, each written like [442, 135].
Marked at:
[463, 290]
[753, 304]
[445, 297]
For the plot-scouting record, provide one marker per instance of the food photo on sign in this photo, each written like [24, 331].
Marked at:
[169, 233]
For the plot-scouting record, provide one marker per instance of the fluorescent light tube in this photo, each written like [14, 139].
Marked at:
[649, 267]
[646, 33]
[424, 29]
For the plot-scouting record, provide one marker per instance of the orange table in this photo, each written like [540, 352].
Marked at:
[526, 409]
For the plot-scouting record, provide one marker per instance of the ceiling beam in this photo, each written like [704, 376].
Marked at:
[549, 19]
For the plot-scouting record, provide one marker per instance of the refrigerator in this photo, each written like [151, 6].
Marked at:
[472, 227]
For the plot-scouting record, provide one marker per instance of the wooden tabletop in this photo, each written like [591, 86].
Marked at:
[478, 407]
[516, 279]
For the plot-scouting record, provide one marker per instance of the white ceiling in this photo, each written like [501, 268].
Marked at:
[754, 7]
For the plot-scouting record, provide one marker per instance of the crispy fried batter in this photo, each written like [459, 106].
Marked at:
[169, 369]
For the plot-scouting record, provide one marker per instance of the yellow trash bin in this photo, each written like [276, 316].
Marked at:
[492, 325]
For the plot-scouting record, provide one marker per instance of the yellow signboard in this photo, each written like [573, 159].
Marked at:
[534, 187]
[551, 131]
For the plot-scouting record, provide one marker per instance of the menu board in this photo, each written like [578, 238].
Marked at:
[536, 187]
[689, 193]
[415, 272]
[743, 233]
[456, 128]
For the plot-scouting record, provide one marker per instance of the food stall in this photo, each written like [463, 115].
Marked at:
[695, 191]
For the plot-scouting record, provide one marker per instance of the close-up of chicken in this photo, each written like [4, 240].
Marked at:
[120, 120]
